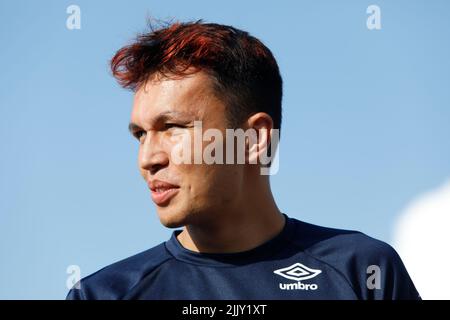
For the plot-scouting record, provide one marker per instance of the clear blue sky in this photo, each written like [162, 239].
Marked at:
[366, 124]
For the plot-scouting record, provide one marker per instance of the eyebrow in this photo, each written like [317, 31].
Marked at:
[164, 116]
[132, 127]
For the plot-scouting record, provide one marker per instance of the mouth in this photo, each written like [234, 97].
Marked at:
[162, 192]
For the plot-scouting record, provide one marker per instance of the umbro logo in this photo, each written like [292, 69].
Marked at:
[298, 272]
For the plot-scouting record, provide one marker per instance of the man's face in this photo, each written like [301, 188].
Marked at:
[164, 111]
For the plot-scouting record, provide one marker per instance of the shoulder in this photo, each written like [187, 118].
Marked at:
[327, 243]
[114, 281]
[357, 257]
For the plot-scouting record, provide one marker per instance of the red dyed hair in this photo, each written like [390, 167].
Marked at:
[244, 72]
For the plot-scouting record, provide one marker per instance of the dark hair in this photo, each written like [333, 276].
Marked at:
[244, 71]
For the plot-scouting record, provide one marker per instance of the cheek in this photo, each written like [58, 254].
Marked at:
[202, 182]
[211, 182]
[179, 147]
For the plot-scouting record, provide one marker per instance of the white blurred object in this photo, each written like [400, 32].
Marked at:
[422, 238]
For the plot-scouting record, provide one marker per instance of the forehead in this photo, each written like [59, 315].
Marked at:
[192, 95]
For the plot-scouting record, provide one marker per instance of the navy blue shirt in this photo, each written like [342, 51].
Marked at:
[303, 261]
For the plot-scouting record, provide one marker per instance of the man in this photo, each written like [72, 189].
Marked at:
[235, 243]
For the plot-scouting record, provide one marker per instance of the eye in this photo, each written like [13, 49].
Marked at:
[139, 134]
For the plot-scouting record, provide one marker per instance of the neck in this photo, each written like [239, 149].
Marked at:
[242, 226]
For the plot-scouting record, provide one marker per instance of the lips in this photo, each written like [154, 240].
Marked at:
[162, 192]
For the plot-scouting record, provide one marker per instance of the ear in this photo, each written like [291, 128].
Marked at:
[262, 124]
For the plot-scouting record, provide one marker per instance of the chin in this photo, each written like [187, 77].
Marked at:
[170, 218]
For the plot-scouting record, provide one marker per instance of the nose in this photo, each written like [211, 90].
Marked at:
[152, 156]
